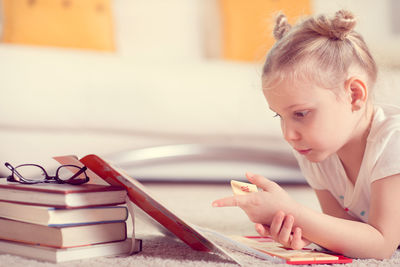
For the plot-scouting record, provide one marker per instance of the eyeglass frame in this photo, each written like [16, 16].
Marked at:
[47, 178]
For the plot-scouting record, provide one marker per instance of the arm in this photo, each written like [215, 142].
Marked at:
[384, 214]
[282, 227]
[378, 238]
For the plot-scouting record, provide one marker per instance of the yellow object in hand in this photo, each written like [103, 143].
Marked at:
[241, 188]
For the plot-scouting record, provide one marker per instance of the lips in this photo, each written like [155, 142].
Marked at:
[303, 151]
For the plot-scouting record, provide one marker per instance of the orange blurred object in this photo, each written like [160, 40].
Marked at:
[247, 25]
[85, 24]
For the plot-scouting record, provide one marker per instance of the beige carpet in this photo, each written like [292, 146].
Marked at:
[193, 203]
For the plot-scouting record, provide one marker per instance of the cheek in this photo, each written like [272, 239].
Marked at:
[315, 134]
[320, 131]
[327, 131]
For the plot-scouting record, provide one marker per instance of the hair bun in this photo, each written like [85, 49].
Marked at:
[342, 24]
[281, 26]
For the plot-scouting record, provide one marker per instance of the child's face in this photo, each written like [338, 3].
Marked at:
[314, 120]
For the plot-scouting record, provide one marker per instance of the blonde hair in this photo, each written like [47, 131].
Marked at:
[318, 49]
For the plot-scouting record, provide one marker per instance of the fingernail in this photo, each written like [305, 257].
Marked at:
[215, 204]
[250, 174]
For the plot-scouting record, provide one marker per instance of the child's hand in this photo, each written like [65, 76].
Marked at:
[282, 231]
[261, 206]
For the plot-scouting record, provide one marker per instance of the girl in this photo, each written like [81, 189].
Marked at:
[318, 79]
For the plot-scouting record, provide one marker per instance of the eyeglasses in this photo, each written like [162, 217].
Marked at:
[65, 174]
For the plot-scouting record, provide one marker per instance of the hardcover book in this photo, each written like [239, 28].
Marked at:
[52, 216]
[61, 195]
[62, 237]
[67, 254]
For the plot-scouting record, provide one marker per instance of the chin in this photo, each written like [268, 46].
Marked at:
[317, 157]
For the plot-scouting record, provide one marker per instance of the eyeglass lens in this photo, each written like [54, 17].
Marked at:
[69, 171]
[31, 172]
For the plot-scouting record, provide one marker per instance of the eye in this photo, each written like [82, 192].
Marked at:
[301, 114]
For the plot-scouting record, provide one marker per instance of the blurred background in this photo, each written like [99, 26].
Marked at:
[168, 90]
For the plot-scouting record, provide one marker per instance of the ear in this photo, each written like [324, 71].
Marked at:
[358, 93]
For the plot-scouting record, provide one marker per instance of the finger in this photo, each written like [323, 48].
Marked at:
[262, 229]
[249, 176]
[261, 181]
[230, 201]
[276, 225]
[297, 241]
[286, 230]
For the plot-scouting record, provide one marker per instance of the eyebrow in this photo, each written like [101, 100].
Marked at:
[295, 105]
[290, 107]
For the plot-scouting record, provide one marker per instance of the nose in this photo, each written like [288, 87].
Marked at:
[290, 133]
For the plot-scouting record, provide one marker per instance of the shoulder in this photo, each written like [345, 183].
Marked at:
[386, 121]
[384, 142]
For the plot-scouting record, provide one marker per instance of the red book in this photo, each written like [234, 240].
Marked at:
[140, 197]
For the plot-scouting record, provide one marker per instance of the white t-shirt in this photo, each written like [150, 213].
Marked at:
[381, 159]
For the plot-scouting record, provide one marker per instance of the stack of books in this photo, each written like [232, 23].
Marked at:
[60, 222]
